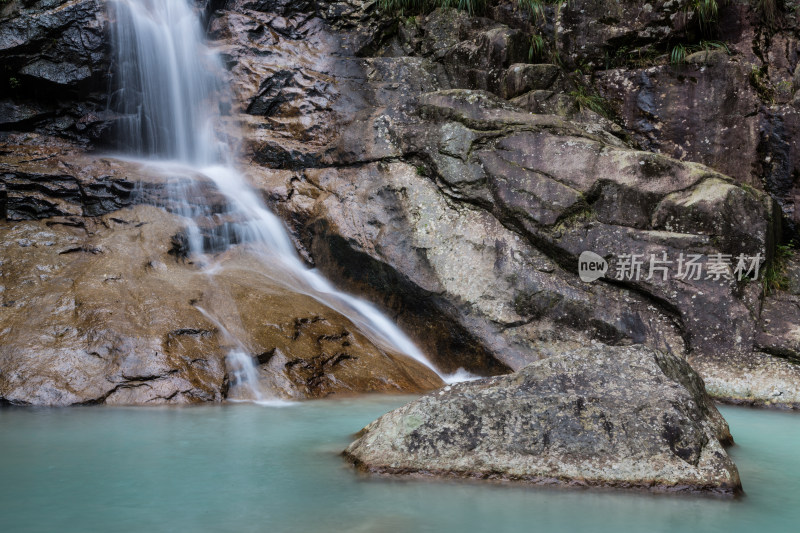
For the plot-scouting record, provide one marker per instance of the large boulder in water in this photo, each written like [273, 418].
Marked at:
[613, 416]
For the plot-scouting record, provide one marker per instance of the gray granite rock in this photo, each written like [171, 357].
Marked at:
[609, 416]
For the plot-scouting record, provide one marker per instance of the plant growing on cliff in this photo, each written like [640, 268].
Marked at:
[537, 7]
[534, 7]
[585, 98]
[538, 48]
[407, 7]
[706, 11]
[680, 51]
[769, 10]
[775, 278]
[678, 55]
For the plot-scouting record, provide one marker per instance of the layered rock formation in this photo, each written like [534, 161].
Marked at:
[102, 308]
[621, 417]
[425, 163]
[55, 67]
[464, 212]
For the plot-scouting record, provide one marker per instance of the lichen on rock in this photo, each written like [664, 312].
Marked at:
[597, 416]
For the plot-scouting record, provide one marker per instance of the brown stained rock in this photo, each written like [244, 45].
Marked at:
[619, 417]
[459, 211]
[101, 313]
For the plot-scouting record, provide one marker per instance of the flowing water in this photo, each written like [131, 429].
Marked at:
[254, 468]
[167, 89]
[249, 468]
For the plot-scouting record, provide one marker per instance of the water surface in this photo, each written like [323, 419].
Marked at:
[245, 467]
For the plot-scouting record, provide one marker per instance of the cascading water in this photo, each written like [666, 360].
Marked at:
[167, 89]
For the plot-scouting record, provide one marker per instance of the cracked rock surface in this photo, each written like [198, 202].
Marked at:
[423, 164]
[98, 311]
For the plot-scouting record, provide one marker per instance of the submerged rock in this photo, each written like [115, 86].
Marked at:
[610, 416]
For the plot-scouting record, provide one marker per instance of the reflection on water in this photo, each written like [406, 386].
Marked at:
[247, 467]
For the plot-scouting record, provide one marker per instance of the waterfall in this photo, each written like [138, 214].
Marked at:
[167, 89]
[166, 81]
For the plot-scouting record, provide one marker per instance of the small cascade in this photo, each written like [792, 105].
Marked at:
[167, 90]
[243, 377]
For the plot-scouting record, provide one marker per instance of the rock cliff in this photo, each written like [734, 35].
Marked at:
[452, 168]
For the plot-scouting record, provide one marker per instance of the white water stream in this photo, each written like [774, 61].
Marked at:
[167, 85]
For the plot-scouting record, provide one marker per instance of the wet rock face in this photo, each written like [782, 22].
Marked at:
[491, 221]
[99, 312]
[719, 125]
[464, 213]
[55, 67]
[652, 426]
[44, 177]
[733, 110]
[589, 32]
[531, 174]
[423, 163]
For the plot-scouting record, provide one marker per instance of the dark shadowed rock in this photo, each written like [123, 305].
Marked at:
[697, 112]
[55, 66]
[621, 417]
[590, 33]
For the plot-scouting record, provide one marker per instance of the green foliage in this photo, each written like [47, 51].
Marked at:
[534, 7]
[537, 7]
[785, 88]
[13, 82]
[706, 11]
[408, 7]
[538, 48]
[679, 52]
[585, 98]
[775, 278]
[769, 10]
[639, 57]
[678, 55]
